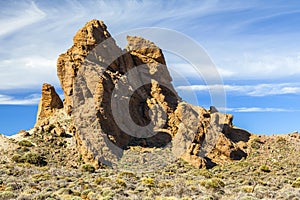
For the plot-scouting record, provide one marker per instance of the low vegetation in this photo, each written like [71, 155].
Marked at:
[51, 170]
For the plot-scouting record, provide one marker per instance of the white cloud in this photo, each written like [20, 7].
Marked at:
[28, 56]
[249, 90]
[52, 26]
[189, 71]
[10, 100]
[254, 67]
[19, 17]
[260, 66]
[234, 65]
[257, 109]
[27, 72]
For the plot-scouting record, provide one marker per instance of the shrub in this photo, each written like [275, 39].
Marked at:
[148, 181]
[85, 193]
[201, 172]
[167, 198]
[31, 158]
[121, 182]
[165, 184]
[255, 145]
[213, 183]
[35, 159]
[281, 140]
[265, 168]
[17, 158]
[107, 194]
[101, 180]
[296, 183]
[247, 189]
[127, 175]
[88, 168]
[25, 143]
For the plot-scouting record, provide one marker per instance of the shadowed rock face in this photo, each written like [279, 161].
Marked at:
[118, 98]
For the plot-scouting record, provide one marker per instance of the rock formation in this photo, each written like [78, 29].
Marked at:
[119, 98]
[50, 102]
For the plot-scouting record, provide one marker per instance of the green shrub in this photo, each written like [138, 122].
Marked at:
[255, 145]
[25, 143]
[76, 198]
[148, 181]
[88, 168]
[213, 183]
[41, 177]
[247, 189]
[101, 180]
[17, 158]
[121, 182]
[167, 198]
[35, 159]
[281, 140]
[165, 184]
[107, 194]
[127, 174]
[31, 158]
[85, 192]
[296, 183]
[205, 173]
[265, 168]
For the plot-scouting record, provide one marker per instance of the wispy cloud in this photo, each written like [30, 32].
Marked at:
[18, 16]
[257, 109]
[247, 66]
[45, 30]
[10, 100]
[249, 90]
[260, 65]
[39, 31]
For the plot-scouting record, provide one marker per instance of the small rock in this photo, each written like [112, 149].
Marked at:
[21, 131]
[25, 134]
[213, 109]
[60, 132]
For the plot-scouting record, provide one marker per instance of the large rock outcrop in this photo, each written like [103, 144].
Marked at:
[118, 98]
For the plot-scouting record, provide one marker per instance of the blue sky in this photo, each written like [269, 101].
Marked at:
[255, 46]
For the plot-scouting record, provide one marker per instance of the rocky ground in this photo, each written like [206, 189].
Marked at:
[46, 166]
